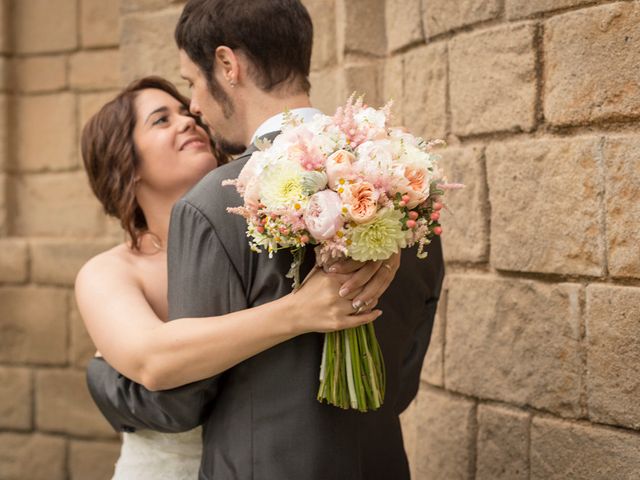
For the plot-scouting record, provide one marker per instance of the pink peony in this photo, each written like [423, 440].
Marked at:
[339, 167]
[362, 201]
[323, 215]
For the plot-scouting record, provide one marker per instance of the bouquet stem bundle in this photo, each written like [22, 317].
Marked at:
[352, 373]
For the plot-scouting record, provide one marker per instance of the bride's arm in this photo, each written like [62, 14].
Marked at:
[160, 356]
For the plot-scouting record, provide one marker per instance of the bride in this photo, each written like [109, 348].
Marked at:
[142, 151]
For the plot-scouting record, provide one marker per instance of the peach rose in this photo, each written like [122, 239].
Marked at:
[417, 187]
[339, 167]
[362, 201]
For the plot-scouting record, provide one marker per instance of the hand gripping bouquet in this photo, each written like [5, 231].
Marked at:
[352, 187]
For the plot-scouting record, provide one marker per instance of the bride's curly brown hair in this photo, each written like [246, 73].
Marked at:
[110, 159]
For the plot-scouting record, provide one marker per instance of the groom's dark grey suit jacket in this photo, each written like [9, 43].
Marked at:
[261, 418]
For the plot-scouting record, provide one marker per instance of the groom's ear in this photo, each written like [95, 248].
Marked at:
[228, 65]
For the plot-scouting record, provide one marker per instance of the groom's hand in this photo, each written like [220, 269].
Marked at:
[365, 282]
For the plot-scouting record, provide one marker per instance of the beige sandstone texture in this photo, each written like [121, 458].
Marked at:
[532, 368]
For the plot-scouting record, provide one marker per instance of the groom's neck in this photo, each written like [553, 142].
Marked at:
[262, 106]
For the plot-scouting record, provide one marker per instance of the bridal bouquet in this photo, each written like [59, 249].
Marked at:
[353, 187]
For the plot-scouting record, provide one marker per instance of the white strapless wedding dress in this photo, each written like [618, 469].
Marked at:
[147, 455]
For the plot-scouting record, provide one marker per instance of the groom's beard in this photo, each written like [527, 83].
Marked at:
[228, 110]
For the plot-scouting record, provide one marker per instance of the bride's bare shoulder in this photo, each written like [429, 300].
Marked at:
[115, 264]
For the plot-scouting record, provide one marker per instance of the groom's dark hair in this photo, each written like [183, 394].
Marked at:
[275, 35]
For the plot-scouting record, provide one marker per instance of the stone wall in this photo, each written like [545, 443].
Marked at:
[531, 373]
[59, 61]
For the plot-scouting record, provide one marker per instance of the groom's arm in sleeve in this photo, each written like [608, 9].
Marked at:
[202, 282]
[412, 365]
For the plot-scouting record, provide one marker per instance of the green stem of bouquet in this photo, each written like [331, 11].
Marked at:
[352, 372]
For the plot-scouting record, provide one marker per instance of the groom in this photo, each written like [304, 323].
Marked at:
[246, 61]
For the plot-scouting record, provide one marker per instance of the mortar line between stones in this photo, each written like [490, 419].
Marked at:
[447, 93]
[533, 411]
[445, 304]
[473, 447]
[602, 167]
[572, 8]
[457, 268]
[538, 40]
[485, 180]
[583, 398]
[528, 440]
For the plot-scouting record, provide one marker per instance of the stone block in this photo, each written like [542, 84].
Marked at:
[524, 8]
[445, 436]
[364, 79]
[95, 70]
[325, 50]
[466, 219]
[425, 91]
[613, 354]
[4, 217]
[43, 26]
[147, 43]
[33, 325]
[546, 213]
[6, 127]
[32, 457]
[99, 23]
[45, 132]
[94, 460]
[57, 261]
[324, 94]
[82, 348]
[57, 204]
[622, 191]
[393, 86]
[493, 80]
[514, 340]
[6, 74]
[404, 23]
[561, 450]
[440, 16]
[433, 367]
[14, 260]
[130, 6]
[361, 27]
[599, 83]
[41, 74]
[503, 442]
[15, 398]
[5, 37]
[64, 405]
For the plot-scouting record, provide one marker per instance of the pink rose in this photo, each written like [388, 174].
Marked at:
[323, 215]
[339, 167]
[362, 201]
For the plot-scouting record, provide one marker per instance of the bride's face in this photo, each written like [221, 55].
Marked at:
[173, 151]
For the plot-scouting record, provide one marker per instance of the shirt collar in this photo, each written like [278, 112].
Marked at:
[274, 123]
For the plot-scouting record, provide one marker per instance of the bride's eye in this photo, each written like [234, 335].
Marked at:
[161, 120]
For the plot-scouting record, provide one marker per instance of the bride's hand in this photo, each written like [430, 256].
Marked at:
[321, 308]
[365, 282]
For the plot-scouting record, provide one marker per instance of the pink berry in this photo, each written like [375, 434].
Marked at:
[405, 199]
[437, 206]
[304, 239]
[260, 229]
[411, 223]
[437, 230]
[413, 215]
[435, 216]
[402, 203]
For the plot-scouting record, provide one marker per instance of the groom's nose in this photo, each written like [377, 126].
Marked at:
[194, 108]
